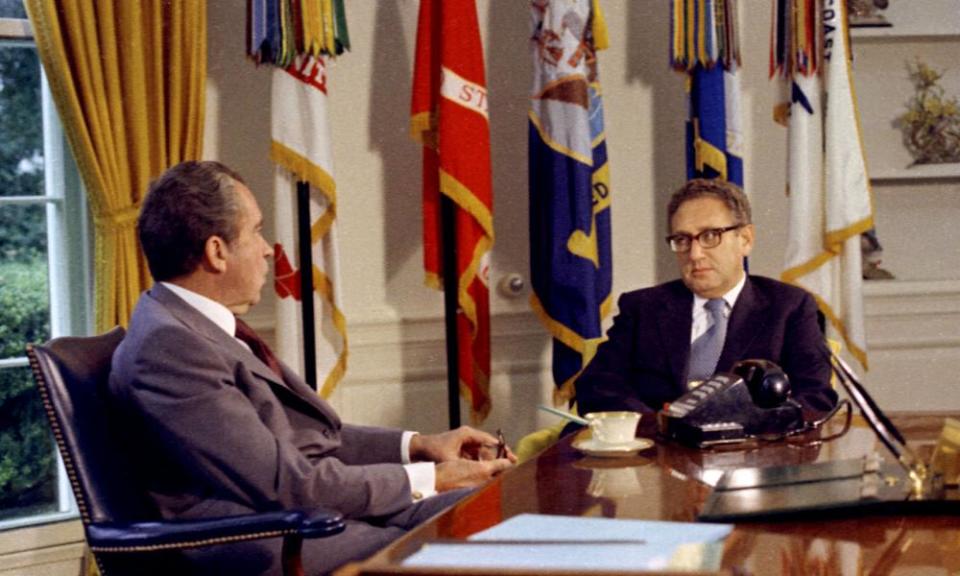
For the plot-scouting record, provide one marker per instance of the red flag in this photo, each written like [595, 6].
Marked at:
[449, 117]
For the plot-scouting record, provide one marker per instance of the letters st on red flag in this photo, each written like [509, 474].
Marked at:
[449, 117]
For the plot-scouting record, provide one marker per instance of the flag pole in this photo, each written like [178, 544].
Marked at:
[305, 242]
[450, 306]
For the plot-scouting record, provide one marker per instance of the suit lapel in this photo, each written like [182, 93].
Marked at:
[199, 323]
[746, 321]
[675, 319]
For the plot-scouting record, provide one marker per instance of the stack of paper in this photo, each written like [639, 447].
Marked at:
[582, 544]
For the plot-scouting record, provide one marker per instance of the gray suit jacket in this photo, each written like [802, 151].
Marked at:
[211, 430]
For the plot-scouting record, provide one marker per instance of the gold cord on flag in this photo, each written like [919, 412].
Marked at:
[796, 38]
[703, 32]
[279, 30]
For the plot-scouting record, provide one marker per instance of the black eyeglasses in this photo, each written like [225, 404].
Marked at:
[709, 238]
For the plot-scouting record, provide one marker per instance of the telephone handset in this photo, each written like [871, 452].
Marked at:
[768, 383]
[753, 400]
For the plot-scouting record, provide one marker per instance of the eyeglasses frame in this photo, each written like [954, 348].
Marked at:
[691, 237]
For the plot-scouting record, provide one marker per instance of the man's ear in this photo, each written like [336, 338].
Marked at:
[215, 254]
[746, 239]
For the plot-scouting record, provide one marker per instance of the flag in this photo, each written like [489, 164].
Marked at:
[570, 259]
[300, 148]
[705, 47]
[297, 36]
[449, 118]
[829, 191]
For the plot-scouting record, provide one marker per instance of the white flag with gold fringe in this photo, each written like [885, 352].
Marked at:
[830, 197]
[300, 148]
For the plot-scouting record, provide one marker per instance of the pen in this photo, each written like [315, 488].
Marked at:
[501, 444]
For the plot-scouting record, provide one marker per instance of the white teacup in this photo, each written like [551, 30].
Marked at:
[613, 427]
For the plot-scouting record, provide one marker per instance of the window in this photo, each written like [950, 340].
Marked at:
[44, 272]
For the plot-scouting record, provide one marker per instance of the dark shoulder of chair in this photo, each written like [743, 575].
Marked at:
[122, 527]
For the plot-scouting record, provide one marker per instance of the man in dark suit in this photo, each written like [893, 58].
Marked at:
[217, 427]
[668, 338]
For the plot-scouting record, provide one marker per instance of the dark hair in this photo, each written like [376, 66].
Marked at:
[184, 207]
[727, 192]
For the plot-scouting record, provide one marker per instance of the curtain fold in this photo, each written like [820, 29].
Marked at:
[128, 80]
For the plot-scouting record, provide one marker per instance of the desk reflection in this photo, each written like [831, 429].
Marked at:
[672, 482]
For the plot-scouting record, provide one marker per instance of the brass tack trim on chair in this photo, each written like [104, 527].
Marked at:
[58, 435]
[194, 544]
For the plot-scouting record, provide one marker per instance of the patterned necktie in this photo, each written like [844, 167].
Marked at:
[705, 351]
[259, 348]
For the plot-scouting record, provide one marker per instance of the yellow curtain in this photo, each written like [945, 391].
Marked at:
[128, 79]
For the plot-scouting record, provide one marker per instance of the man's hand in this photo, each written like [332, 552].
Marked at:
[468, 473]
[464, 443]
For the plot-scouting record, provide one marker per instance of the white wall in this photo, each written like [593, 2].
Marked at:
[396, 373]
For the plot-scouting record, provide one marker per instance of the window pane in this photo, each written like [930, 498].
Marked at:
[24, 297]
[23, 239]
[28, 463]
[27, 457]
[21, 123]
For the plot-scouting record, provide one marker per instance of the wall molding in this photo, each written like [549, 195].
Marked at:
[900, 315]
[414, 349]
[905, 315]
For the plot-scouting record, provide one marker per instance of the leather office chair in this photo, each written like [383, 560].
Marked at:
[122, 527]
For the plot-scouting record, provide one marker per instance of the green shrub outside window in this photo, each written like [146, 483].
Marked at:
[28, 467]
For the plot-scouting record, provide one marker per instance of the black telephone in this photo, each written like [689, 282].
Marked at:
[751, 401]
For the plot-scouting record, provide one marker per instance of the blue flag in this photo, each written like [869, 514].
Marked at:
[570, 259]
[704, 45]
[714, 136]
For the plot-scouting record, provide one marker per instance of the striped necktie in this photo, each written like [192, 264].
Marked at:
[705, 351]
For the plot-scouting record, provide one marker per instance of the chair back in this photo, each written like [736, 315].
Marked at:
[72, 375]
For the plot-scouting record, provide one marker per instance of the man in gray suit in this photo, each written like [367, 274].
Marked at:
[215, 430]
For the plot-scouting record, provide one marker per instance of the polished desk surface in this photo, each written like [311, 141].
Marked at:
[666, 483]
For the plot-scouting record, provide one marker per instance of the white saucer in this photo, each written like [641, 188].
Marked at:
[591, 447]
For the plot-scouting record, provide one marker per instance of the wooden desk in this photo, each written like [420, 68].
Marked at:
[664, 483]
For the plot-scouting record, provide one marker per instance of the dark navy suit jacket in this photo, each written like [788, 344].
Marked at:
[643, 362]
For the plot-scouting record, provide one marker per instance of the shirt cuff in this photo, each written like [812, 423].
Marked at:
[405, 446]
[423, 479]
